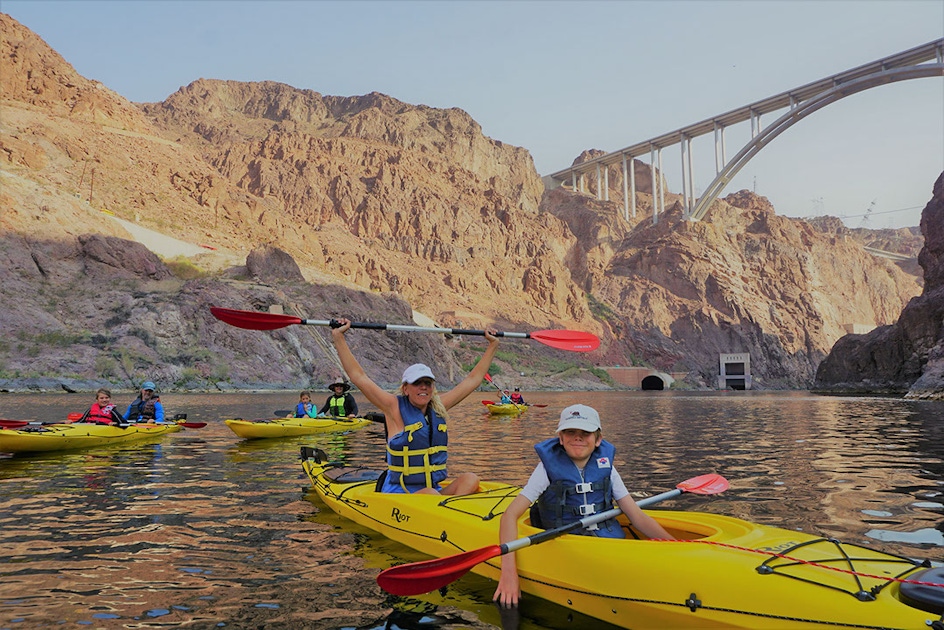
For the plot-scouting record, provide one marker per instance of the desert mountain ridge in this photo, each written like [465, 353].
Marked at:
[387, 209]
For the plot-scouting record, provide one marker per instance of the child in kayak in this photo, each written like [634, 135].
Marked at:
[415, 420]
[340, 403]
[574, 479]
[146, 407]
[102, 410]
[517, 398]
[305, 408]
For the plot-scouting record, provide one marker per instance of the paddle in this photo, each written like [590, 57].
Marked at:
[14, 424]
[423, 577]
[572, 340]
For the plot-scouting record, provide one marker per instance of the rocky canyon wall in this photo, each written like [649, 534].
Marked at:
[404, 204]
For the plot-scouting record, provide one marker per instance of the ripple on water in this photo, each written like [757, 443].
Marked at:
[203, 529]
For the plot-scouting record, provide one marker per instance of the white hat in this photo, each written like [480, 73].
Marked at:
[579, 417]
[415, 372]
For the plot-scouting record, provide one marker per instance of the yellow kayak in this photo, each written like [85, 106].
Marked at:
[506, 408]
[287, 427]
[723, 572]
[60, 437]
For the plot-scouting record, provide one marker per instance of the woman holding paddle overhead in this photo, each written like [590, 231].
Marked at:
[416, 420]
[575, 478]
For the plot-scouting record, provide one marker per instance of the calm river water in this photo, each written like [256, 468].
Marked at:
[202, 529]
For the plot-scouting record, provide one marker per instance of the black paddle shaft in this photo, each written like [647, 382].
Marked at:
[397, 327]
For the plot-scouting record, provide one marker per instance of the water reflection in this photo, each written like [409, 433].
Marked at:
[201, 528]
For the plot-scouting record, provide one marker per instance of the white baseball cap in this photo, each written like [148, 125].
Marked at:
[415, 372]
[579, 417]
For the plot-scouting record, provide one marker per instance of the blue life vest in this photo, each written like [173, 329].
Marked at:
[416, 457]
[303, 410]
[572, 496]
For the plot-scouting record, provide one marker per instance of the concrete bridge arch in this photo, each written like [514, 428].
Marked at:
[920, 62]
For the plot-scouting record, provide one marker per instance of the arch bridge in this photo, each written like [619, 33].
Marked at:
[917, 63]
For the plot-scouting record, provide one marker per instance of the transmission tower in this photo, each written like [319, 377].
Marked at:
[865, 217]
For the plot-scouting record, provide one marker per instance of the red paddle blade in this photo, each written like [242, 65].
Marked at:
[488, 402]
[253, 320]
[192, 425]
[13, 424]
[704, 484]
[572, 340]
[488, 377]
[424, 577]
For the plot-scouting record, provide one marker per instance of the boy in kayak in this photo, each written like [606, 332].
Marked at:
[415, 420]
[146, 407]
[340, 403]
[102, 410]
[574, 479]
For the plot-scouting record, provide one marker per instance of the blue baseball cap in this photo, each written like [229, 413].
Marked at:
[148, 385]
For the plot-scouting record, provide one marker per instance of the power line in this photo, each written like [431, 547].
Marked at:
[872, 214]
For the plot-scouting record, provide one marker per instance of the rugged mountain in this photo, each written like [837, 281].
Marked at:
[388, 209]
[743, 280]
[906, 357]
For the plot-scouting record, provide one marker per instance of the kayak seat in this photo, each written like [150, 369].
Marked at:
[378, 487]
[922, 596]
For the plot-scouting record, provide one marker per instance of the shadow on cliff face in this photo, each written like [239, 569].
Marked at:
[906, 357]
[94, 311]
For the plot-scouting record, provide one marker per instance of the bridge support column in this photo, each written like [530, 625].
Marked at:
[606, 183]
[625, 191]
[688, 185]
[658, 194]
[720, 159]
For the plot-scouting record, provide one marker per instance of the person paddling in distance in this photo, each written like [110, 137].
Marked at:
[102, 410]
[574, 479]
[146, 407]
[340, 403]
[517, 398]
[305, 408]
[415, 420]
[505, 397]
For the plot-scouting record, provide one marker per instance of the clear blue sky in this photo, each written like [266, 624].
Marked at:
[560, 77]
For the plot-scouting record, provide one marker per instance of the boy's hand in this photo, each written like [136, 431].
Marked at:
[508, 592]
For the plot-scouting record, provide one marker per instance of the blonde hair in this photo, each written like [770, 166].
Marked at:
[434, 401]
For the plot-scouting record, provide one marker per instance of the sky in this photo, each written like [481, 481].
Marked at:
[560, 77]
